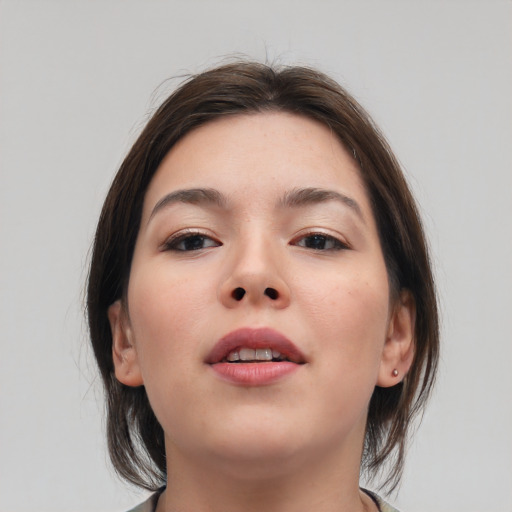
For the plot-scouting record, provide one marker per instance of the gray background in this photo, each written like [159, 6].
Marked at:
[77, 80]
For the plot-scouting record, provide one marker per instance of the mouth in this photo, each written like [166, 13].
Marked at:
[250, 355]
[261, 345]
[254, 357]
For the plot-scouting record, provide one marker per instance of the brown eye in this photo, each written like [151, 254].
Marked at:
[190, 242]
[320, 242]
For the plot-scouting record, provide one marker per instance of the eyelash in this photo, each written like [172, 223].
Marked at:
[337, 245]
[173, 243]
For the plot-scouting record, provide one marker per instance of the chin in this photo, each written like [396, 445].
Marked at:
[265, 459]
[260, 448]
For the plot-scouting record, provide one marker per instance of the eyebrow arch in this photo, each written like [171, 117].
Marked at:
[308, 196]
[190, 196]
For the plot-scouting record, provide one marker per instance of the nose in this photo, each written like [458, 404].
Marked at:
[255, 277]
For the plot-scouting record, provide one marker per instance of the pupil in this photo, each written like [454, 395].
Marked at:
[316, 242]
[194, 243]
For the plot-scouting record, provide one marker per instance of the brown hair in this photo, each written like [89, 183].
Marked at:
[135, 438]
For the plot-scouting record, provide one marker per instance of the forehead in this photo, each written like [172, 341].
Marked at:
[258, 154]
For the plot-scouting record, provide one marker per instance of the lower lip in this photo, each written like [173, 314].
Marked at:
[254, 374]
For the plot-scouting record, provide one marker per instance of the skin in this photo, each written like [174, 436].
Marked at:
[295, 444]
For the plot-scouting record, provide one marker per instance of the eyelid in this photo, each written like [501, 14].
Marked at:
[341, 241]
[170, 242]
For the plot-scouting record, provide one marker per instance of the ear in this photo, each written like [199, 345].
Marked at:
[398, 351]
[126, 362]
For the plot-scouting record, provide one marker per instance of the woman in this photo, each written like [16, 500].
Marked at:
[260, 300]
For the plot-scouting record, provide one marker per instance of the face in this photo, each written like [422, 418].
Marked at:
[258, 314]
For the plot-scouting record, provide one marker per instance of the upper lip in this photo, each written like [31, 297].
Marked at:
[263, 337]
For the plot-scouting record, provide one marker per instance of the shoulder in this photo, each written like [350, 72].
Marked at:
[383, 506]
[149, 505]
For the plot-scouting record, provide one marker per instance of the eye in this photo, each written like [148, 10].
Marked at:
[320, 242]
[189, 242]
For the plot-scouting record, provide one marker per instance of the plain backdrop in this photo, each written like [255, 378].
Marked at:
[77, 79]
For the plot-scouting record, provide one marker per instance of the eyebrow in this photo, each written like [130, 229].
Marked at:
[309, 196]
[190, 196]
[295, 198]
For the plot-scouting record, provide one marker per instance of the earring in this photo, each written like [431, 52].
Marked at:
[394, 373]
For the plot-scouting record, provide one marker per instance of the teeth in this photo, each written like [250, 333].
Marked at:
[233, 356]
[249, 354]
[264, 354]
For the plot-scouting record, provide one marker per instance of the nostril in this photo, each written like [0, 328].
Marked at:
[238, 293]
[271, 292]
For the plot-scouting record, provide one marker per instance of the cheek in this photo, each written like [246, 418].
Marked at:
[167, 318]
[350, 319]
[351, 300]
[166, 311]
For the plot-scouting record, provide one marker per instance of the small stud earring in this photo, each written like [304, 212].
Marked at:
[394, 373]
